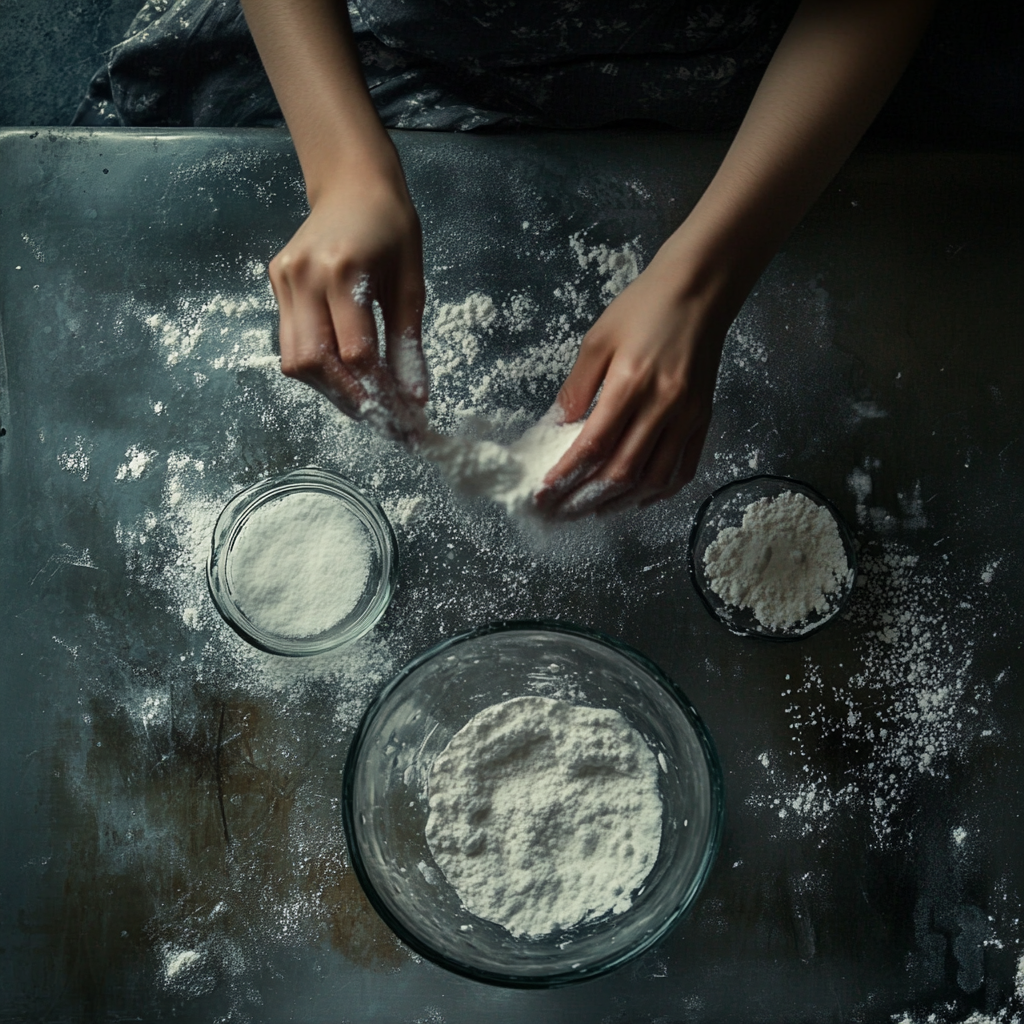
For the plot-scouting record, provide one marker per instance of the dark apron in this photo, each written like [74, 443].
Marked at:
[460, 64]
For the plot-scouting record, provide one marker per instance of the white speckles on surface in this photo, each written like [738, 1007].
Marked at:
[75, 458]
[618, 267]
[137, 463]
[988, 574]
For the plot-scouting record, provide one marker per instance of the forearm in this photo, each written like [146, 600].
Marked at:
[307, 49]
[830, 75]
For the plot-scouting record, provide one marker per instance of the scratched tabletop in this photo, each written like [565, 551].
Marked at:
[171, 840]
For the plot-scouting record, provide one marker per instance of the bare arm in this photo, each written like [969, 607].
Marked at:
[362, 239]
[656, 348]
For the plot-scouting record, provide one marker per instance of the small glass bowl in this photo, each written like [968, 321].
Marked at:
[725, 507]
[380, 581]
[385, 804]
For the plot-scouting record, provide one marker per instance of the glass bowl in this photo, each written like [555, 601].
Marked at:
[725, 507]
[380, 580]
[385, 804]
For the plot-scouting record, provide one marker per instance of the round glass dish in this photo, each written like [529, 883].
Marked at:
[386, 781]
[725, 507]
[380, 580]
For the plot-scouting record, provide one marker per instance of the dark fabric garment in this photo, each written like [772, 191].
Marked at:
[460, 64]
[183, 63]
[464, 64]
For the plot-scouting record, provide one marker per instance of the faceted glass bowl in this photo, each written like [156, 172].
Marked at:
[386, 792]
[725, 507]
[380, 582]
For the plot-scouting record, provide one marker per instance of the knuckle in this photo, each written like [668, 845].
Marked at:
[359, 357]
[300, 365]
[621, 476]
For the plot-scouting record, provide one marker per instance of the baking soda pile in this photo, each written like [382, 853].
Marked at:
[785, 561]
[544, 814]
[299, 564]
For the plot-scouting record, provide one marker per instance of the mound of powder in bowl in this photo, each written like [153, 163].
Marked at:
[784, 562]
[544, 814]
[299, 564]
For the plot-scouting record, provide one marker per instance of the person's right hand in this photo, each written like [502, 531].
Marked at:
[360, 243]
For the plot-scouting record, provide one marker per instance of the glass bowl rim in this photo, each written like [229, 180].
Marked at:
[716, 779]
[845, 535]
[262, 492]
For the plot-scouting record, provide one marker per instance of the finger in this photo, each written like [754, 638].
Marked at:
[686, 466]
[659, 476]
[618, 481]
[585, 377]
[691, 457]
[402, 307]
[594, 446]
[309, 353]
[383, 406]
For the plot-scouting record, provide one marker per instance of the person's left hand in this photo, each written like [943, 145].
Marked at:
[656, 350]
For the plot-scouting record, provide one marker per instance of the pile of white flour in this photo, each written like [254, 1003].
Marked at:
[544, 814]
[509, 475]
[783, 562]
[299, 564]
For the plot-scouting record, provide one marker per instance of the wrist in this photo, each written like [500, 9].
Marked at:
[361, 159]
[713, 259]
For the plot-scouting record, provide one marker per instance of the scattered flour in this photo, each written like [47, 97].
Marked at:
[902, 709]
[618, 266]
[784, 561]
[75, 459]
[179, 960]
[299, 564]
[987, 574]
[544, 814]
[137, 464]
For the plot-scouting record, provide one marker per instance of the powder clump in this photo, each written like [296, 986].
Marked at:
[544, 814]
[509, 475]
[299, 564]
[784, 562]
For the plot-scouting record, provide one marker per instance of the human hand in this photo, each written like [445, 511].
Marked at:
[655, 350]
[360, 243]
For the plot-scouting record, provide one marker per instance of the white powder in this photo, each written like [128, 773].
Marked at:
[783, 562]
[507, 474]
[907, 699]
[299, 564]
[178, 960]
[544, 814]
[137, 464]
[618, 266]
[75, 460]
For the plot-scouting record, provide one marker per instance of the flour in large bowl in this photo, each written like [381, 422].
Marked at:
[544, 814]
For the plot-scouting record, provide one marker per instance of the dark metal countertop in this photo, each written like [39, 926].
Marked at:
[171, 840]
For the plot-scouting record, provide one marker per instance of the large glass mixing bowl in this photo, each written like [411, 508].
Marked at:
[386, 791]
